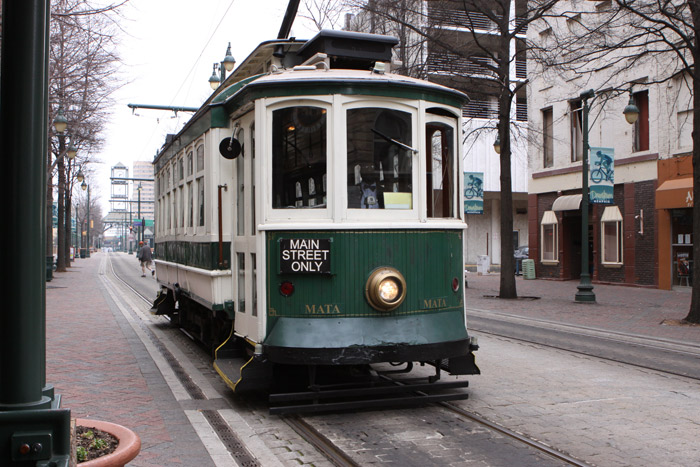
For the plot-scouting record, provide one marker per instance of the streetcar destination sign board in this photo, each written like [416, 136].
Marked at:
[305, 255]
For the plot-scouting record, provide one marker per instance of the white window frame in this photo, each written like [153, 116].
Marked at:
[302, 214]
[549, 219]
[612, 215]
[418, 163]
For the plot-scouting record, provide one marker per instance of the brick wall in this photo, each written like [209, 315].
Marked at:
[645, 256]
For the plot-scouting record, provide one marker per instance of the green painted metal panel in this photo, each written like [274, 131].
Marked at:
[199, 255]
[428, 259]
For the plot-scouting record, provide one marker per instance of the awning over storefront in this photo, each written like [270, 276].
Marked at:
[676, 193]
[567, 203]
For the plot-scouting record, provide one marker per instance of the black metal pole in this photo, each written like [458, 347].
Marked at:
[28, 410]
[585, 292]
[87, 240]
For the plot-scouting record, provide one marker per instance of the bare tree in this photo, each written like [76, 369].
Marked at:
[439, 25]
[620, 36]
[82, 66]
[324, 14]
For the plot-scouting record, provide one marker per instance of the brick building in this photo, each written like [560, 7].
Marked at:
[643, 235]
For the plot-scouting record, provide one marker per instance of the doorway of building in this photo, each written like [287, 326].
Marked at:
[682, 246]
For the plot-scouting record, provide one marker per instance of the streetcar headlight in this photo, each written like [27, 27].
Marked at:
[385, 289]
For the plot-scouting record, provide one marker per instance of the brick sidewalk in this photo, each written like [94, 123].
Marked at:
[102, 370]
[630, 310]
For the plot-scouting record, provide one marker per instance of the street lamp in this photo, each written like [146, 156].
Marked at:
[225, 65]
[585, 292]
[140, 232]
[497, 144]
[85, 186]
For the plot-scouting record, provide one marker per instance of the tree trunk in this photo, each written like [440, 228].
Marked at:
[49, 205]
[694, 312]
[69, 226]
[61, 257]
[505, 99]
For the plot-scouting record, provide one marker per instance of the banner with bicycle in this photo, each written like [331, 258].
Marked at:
[601, 170]
[473, 192]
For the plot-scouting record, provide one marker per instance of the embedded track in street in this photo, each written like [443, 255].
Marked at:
[672, 358]
[305, 428]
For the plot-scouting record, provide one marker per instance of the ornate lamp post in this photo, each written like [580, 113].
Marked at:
[85, 186]
[585, 292]
[225, 65]
[138, 206]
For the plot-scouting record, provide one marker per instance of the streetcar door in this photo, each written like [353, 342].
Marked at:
[243, 261]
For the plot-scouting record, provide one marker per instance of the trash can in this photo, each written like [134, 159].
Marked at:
[528, 269]
[83, 252]
[482, 264]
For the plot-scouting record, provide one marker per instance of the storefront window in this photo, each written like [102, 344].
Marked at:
[611, 226]
[682, 245]
[550, 237]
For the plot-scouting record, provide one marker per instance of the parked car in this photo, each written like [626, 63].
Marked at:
[520, 253]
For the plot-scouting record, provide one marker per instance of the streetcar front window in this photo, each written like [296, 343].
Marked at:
[379, 159]
[299, 157]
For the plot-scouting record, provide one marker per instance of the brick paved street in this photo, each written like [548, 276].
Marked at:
[102, 369]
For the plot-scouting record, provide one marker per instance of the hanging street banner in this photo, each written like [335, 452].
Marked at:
[601, 170]
[473, 192]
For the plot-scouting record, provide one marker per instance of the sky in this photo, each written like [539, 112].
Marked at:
[168, 48]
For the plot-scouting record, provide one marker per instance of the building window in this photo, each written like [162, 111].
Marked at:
[611, 227]
[180, 169]
[548, 137]
[550, 237]
[641, 126]
[576, 114]
[190, 170]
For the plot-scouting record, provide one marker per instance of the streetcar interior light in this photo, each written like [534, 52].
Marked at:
[286, 288]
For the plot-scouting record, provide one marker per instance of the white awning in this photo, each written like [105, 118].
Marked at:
[549, 218]
[611, 214]
[567, 203]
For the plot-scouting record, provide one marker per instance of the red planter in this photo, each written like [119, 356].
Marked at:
[128, 448]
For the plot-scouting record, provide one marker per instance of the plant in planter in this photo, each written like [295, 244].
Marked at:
[114, 445]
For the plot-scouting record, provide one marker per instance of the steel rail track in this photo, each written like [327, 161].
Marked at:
[333, 453]
[537, 445]
[591, 353]
[225, 433]
[125, 283]
[340, 458]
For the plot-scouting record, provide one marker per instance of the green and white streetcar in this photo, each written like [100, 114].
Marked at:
[309, 219]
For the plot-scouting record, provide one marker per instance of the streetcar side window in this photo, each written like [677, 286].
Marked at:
[299, 137]
[379, 159]
[440, 164]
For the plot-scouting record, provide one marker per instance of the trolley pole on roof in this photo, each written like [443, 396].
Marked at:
[33, 428]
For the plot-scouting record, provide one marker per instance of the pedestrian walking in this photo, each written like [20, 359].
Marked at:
[146, 259]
